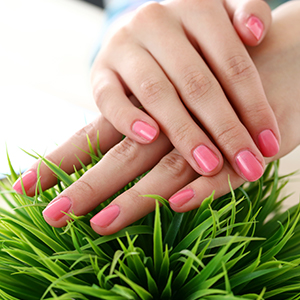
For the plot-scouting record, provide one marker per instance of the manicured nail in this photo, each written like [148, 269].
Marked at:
[268, 143]
[250, 167]
[205, 158]
[57, 208]
[29, 180]
[256, 26]
[106, 216]
[182, 197]
[144, 130]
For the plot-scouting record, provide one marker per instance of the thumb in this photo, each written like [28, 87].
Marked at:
[251, 19]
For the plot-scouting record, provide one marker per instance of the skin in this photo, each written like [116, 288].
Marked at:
[153, 54]
[277, 60]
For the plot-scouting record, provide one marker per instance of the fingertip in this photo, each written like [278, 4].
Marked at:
[210, 161]
[101, 222]
[27, 182]
[252, 21]
[144, 132]
[180, 199]
[255, 26]
[268, 143]
[249, 166]
[55, 212]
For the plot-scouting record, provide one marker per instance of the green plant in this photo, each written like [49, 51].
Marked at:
[240, 246]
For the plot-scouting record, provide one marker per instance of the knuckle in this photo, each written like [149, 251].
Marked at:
[124, 152]
[148, 14]
[100, 92]
[83, 187]
[180, 133]
[201, 3]
[174, 164]
[228, 131]
[255, 110]
[238, 68]
[152, 90]
[117, 118]
[87, 131]
[195, 85]
[133, 196]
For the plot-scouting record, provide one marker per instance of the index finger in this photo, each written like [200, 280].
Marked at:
[69, 154]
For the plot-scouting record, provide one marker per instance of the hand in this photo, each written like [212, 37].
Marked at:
[154, 54]
[278, 63]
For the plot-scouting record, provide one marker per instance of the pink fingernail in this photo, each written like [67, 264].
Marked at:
[268, 143]
[256, 26]
[57, 208]
[182, 197]
[106, 216]
[144, 130]
[249, 165]
[29, 180]
[205, 158]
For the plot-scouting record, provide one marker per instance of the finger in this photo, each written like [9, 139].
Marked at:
[67, 154]
[115, 106]
[157, 95]
[192, 195]
[119, 166]
[251, 19]
[201, 94]
[237, 74]
[169, 175]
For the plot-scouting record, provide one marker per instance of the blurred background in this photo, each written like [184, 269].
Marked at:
[46, 49]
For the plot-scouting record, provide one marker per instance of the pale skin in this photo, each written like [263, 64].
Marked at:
[153, 54]
[278, 62]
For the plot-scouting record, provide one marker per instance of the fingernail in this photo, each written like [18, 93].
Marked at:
[57, 209]
[256, 26]
[205, 158]
[29, 180]
[144, 130]
[106, 216]
[268, 143]
[250, 167]
[182, 197]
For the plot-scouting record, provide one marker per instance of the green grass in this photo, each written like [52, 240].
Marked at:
[239, 246]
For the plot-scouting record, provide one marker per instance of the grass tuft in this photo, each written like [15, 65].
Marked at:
[239, 246]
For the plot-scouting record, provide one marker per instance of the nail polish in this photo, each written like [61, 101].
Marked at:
[144, 130]
[205, 158]
[250, 167]
[57, 208]
[182, 197]
[106, 216]
[268, 143]
[29, 180]
[256, 26]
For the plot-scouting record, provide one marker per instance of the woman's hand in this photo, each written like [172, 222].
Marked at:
[186, 65]
[278, 62]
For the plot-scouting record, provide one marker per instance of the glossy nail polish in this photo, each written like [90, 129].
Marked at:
[144, 130]
[29, 180]
[268, 143]
[106, 216]
[205, 158]
[249, 166]
[256, 26]
[57, 208]
[182, 197]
